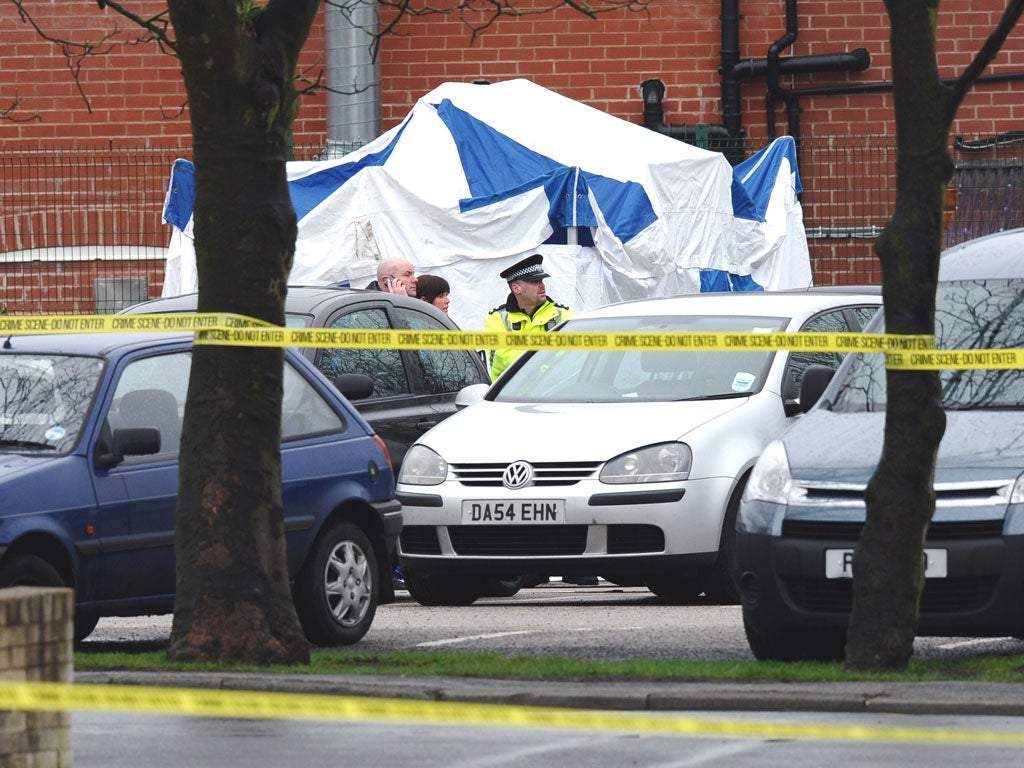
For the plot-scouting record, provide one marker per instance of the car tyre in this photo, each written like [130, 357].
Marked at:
[719, 582]
[792, 645]
[85, 623]
[681, 586]
[336, 592]
[24, 570]
[624, 581]
[504, 586]
[441, 589]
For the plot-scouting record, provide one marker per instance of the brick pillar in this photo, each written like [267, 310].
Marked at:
[36, 644]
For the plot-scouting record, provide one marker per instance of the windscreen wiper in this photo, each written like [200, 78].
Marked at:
[9, 443]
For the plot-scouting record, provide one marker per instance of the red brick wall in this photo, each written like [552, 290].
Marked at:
[130, 95]
[68, 286]
[136, 97]
[603, 62]
[135, 93]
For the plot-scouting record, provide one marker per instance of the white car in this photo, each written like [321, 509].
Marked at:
[627, 465]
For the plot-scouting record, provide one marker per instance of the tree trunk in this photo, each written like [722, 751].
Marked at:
[233, 601]
[888, 575]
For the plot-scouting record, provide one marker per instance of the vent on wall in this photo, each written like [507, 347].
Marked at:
[114, 293]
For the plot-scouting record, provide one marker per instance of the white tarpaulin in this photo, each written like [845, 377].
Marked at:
[478, 176]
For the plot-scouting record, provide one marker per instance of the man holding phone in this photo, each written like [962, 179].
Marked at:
[395, 275]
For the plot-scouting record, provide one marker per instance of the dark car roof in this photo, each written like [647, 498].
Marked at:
[92, 343]
[304, 300]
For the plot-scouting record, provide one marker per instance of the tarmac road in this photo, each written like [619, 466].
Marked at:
[605, 622]
[128, 741]
[602, 622]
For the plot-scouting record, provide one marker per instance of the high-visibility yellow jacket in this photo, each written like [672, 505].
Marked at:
[509, 317]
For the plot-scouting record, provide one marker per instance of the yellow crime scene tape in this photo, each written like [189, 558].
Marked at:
[910, 352]
[903, 352]
[261, 705]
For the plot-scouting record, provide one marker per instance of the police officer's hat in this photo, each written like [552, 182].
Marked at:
[528, 269]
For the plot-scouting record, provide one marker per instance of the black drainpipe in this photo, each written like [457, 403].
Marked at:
[654, 117]
[732, 113]
[734, 72]
[885, 86]
[774, 89]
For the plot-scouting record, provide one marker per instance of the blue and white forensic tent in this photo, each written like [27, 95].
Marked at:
[478, 176]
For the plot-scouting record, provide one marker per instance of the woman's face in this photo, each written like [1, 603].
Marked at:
[441, 301]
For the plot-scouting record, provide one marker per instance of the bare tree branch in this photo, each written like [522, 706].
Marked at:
[9, 113]
[477, 15]
[158, 26]
[173, 115]
[988, 51]
[75, 52]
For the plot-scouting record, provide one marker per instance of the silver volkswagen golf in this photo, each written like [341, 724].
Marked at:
[627, 465]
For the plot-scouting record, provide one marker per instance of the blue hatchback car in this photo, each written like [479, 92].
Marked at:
[89, 432]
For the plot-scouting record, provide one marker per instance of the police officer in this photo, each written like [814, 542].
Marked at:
[526, 309]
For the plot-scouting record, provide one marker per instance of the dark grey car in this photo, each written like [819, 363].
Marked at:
[412, 390]
[803, 508]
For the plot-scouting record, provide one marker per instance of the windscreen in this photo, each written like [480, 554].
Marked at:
[44, 400]
[977, 314]
[643, 375]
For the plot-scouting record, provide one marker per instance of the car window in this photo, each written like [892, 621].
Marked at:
[151, 393]
[304, 411]
[443, 370]
[647, 374]
[976, 314]
[384, 366]
[864, 314]
[834, 321]
[44, 400]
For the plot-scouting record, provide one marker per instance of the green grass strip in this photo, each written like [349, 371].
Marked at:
[1008, 668]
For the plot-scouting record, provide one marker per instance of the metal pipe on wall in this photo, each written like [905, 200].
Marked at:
[353, 76]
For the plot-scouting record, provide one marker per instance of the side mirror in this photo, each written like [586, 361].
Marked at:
[474, 393]
[130, 441]
[813, 385]
[354, 386]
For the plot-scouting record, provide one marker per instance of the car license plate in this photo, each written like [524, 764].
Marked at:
[839, 563]
[520, 512]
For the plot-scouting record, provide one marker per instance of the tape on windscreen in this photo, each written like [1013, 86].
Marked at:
[903, 352]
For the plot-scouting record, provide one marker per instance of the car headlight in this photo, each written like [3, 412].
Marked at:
[770, 480]
[422, 466]
[660, 463]
[1015, 493]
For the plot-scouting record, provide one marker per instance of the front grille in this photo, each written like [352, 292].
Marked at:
[518, 540]
[544, 473]
[420, 540]
[817, 529]
[627, 538]
[850, 531]
[939, 596]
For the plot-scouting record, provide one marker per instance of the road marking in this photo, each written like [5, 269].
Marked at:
[968, 643]
[468, 638]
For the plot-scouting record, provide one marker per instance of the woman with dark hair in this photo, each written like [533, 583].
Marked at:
[433, 290]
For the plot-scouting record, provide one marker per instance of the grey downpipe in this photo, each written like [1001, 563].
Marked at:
[353, 77]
